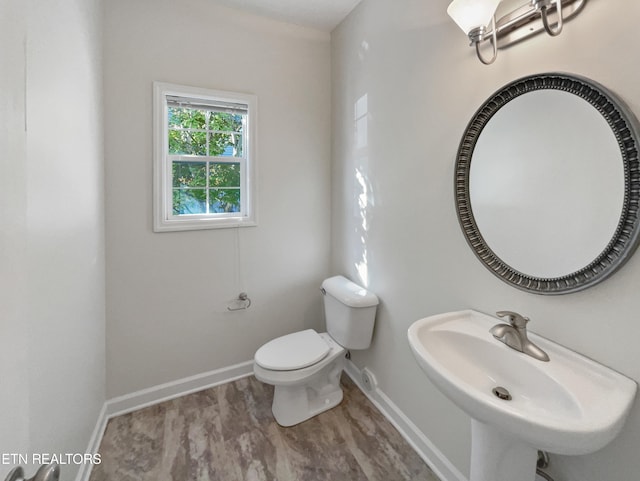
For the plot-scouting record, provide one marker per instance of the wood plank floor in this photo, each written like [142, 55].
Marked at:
[228, 433]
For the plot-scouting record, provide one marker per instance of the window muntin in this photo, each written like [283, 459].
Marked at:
[204, 164]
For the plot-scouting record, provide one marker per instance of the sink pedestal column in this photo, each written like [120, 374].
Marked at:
[497, 456]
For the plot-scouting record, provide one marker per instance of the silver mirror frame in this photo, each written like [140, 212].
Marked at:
[627, 235]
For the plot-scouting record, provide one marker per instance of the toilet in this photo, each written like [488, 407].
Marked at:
[305, 367]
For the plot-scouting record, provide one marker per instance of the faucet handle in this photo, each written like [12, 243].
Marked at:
[515, 319]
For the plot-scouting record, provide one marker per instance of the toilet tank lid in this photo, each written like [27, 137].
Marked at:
[349, 293]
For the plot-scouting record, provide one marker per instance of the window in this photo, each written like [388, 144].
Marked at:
[204, 166]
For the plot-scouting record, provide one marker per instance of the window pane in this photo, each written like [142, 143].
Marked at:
[225, 145]
[224, 175]
[189, 201]
[226, 122]
[189, 174]
[183, 142]
[224, 200]
[187, 118]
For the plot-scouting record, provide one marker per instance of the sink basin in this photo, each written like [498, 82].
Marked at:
[569, 405]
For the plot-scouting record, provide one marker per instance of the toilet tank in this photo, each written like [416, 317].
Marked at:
[350, 312]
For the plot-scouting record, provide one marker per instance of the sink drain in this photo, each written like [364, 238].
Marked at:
[502, 393]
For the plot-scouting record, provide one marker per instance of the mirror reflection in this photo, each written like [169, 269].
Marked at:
[547, 183]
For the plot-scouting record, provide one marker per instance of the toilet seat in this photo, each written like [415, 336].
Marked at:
[293, 351]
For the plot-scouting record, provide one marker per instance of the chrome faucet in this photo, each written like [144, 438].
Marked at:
[514, 335]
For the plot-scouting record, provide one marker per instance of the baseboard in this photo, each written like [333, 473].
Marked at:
[428, 451]
[94, 443]
[171, 390]
[157, 394]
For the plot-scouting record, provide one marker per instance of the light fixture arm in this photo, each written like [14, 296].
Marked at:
[543, 7]
[477, 36]
[545, 20]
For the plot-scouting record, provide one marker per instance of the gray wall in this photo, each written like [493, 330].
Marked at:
[394, 213]
[167, 293]
[52, 361]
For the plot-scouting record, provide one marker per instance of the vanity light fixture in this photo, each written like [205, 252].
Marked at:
[477, 18]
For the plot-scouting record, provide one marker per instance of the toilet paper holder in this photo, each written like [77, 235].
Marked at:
[242, 302]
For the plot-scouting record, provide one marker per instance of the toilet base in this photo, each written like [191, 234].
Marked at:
[295, 404]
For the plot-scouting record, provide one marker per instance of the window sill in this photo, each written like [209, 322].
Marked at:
[178, 225]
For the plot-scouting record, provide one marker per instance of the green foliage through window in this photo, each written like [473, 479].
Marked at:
[205, 132]
[209, 181]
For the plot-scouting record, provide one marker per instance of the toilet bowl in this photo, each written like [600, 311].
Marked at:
[305, 367]
[301, 392]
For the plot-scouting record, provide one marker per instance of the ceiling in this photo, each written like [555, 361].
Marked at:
[321, 14]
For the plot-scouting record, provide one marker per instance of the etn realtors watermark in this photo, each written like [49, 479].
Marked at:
[48, 458]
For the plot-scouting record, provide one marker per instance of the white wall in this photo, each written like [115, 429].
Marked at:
[14, 373]
[423, 84]
[53, 248]
[167, 293]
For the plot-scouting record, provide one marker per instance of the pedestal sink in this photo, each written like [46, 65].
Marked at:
[518, 405]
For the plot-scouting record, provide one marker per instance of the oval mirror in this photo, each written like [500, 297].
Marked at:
[548, 183]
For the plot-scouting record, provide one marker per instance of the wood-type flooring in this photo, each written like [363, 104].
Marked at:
[227, 433]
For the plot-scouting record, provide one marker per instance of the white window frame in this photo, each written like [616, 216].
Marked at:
[163, 218]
